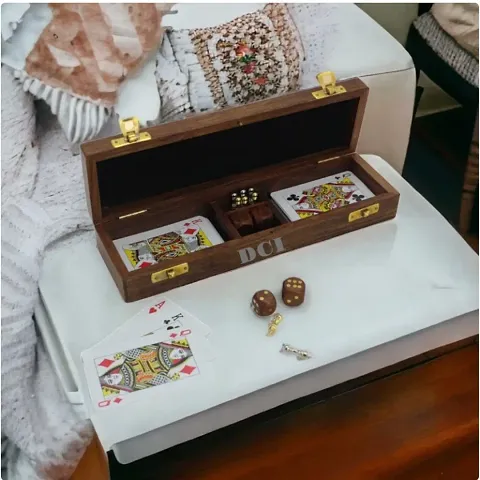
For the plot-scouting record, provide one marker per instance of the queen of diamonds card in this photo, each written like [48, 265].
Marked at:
[145, 367]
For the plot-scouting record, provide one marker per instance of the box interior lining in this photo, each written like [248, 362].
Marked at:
[152, 172]
[215, 204]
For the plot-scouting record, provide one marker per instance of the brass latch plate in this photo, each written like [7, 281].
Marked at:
[364, 212]
[328, 83]
[130, 128]
[170, 273]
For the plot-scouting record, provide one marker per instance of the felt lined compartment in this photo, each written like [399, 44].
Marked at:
[212, 200]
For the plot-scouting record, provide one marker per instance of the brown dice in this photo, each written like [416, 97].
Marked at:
[262, 217]
[293, 291]
[242, 221]
[264, 303]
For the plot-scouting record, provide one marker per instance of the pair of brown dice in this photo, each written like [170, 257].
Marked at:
[293, 294]
[252, 219]
[293, 291]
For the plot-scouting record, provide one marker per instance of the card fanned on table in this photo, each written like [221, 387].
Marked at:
[146, 357]
[181, 238]
[322, 195]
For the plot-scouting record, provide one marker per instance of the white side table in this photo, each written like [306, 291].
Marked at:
[375, 297]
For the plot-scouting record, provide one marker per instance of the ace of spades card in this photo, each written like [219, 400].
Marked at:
[322, 195]
[122, 372]
[161, 314]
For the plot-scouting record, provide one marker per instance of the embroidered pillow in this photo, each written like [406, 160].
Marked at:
[252, 57]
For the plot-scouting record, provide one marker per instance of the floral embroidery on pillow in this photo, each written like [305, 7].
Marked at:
[246, 55]
[253, 57]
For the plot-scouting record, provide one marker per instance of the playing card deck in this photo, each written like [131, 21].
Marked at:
[148, 248]
[295, 151]
[146, 356]
[321, 196]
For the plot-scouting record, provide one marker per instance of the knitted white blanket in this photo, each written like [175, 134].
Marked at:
[42, 437]
[44, 201]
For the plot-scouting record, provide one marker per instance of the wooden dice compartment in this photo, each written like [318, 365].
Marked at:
[191, 167]
[254, 218]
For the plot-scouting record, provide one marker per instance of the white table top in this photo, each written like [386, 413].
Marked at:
[364, 289]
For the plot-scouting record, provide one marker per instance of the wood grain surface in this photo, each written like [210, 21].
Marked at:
[213, 139]
[231, 117]
[190, 168]
[414, 420]
[213, 201]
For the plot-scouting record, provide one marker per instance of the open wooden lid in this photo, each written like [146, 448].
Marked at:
[214, 145]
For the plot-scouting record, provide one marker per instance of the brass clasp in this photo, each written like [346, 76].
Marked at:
[328, 84]
[170, 273]
[364, 212]
[130, 128]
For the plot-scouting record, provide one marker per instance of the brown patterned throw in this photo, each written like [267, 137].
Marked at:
[250, 58]
[88, 49]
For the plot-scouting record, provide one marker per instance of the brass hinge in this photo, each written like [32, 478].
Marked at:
[130, 128]
[364, 212]
[328, 84]
[169, 273]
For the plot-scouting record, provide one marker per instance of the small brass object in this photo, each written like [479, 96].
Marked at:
[132, 214]
[170, 273]
[130, 128]
[244, 197]
[329, 159]
[236, 201]
[300, 354]
[328, 84]
[364, 212]
[273, 324]
[252, 196]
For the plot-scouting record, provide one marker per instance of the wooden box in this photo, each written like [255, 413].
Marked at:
[190, 167]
